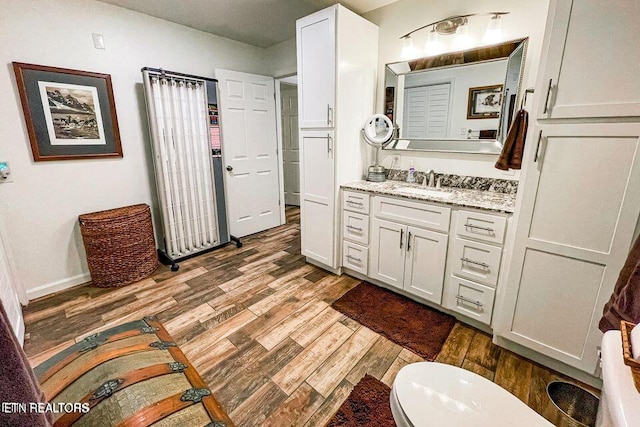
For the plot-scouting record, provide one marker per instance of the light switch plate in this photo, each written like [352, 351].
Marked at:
[98, 41]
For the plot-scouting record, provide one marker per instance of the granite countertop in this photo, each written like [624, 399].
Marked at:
[479, 199]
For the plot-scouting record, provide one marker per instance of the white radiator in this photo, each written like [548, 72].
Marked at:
[178, 121]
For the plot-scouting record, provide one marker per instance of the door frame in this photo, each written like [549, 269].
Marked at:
[291, 79]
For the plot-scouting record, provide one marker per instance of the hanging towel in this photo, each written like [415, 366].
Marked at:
[18, 384]
[625, 300]
[511, 156]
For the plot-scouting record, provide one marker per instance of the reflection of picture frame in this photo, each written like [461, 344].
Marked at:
[69, 114]
[485, 102]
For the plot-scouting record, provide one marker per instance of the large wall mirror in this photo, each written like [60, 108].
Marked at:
[457, 102]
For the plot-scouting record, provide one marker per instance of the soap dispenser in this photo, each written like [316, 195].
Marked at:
[411, 175]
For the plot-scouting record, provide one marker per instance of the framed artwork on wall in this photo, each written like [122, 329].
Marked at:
[485, 102]
[70, 114]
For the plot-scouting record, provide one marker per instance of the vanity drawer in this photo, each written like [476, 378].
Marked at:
[355, 257]
[355, 202]
[489, 228]
[476, 261]
[419, 214]
[469, 298]
[355, 227]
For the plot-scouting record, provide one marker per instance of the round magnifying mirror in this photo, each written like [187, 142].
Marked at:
[378, 130]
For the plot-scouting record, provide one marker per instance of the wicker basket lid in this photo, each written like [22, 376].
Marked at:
[111, 214]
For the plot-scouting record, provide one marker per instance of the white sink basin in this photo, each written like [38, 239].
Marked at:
[425, 192]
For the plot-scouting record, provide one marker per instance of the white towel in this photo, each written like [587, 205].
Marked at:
[635, 342]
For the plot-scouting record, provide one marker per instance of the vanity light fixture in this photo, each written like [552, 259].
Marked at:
[409, 50]
[433, 46]
[462, 40]
[493, 34]
[457, 25]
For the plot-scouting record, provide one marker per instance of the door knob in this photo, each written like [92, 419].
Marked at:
[229, 168]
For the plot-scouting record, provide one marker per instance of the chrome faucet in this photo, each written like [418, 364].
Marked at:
[431, 174]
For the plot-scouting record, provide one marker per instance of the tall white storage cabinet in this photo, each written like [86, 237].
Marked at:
[579, 198]
[337, 60]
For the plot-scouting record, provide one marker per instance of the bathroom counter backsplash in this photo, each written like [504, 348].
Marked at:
[496, 185]
[463, 197]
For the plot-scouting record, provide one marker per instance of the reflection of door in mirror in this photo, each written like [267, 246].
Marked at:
[436, 103]
[426, 111]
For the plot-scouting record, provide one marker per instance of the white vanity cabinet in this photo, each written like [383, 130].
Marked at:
[449, 256]
[404, 252]
[337, 53]
[355, 231]
[474, 263]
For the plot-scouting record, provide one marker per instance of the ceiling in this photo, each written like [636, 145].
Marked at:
[261, 23]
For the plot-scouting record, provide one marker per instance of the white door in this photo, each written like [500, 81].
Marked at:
[388, 254]
[9, 297]
[290, 146]
[316, 46]
[425, 263]
[602, 83]
[249, 149]
[581, 202]
[317, 215]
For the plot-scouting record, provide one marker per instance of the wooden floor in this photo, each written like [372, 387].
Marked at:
[257, 324]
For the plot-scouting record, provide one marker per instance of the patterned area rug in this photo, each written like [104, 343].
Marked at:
[419, 328]
[367, 406]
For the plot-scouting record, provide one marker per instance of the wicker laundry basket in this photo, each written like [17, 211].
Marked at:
[120, 245]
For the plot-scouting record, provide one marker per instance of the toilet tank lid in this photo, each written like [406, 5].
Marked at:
[430, 392]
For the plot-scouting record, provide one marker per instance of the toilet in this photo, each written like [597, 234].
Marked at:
[435, 394]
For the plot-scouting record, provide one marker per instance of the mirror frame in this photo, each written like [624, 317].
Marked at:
[459, 145]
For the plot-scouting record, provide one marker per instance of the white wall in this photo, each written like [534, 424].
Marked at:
[527, 18]
[40, 208]
[281, 58]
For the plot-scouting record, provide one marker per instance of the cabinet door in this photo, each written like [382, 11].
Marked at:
[425, 263]
[317, 190]
[316, 44]
[590, 69]
[580, 205]
[388, 240]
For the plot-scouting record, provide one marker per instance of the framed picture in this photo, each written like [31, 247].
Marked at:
[69, 114]
[485, 102]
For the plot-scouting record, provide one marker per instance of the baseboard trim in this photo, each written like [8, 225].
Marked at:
[57, 286]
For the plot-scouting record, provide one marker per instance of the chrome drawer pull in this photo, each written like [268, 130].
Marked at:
[481, 264]
[355, 203]
[488, 229]
[351, 227]
[476, 303]
[354, 259]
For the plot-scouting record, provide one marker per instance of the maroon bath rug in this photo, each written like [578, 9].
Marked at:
[367, 406]
[419, 328]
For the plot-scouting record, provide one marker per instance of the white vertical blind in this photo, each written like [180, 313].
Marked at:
[178, 121]
[427, 111]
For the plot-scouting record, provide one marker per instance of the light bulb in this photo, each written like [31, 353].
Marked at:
[462, 39]
[433, 46]
[493, 34]
[409, 51]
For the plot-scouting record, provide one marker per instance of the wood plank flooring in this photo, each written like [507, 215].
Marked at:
[257, 324]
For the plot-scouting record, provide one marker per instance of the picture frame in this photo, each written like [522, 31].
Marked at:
[485, 102]
[69, 114]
